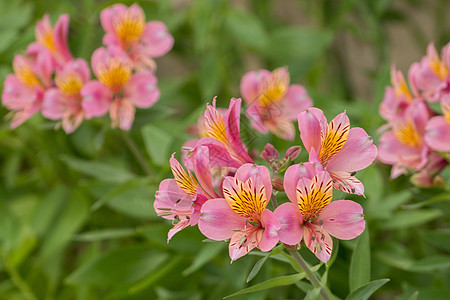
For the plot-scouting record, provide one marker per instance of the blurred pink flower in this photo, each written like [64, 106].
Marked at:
[23, 91]
[338, 148]
[403, 146]
[241, 215]
[117, 89]
[52, 39]
[431, 75]
[64, 101]
[126, 28]
[222, 135]
[311, 215]
[273, 104]
[437, 131]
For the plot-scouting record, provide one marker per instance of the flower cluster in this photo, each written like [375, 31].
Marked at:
[416, 137]
[227, 194]
[49, 79]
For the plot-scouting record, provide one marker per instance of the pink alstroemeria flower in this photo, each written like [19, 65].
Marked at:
[180, 199]
[53, 39]
[64, 101]
[117, 89]
[339, 149]
[396, 98]
[222, 136]
[242, 215]
[125, 27]
[432, 74]
[273, 104]
[403, 146]
[23, 91]
[437, 131]
[312, 216]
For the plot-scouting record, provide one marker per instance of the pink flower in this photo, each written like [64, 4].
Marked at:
[126, 28]
[117, 89]
[437, 131]
[222, 136]
[23, 91]
[312, 216]
[403, 146]
[53, 40]
[338, 148]
[272, 103]
[180, 199]
[242, 215]
[64, 101]
[431, 74]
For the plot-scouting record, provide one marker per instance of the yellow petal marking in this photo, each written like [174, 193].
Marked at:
[184, 180]
[274, 89]
[69, 84]
[246, 199]
[438, 68]
[335, 138]
[311, 200]
[115, 73]
[129, 27]
[407, 134]
[25, 73]
[446, 110]
[214, 125]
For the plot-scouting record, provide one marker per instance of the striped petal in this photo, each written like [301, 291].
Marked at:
[335, 137]
[313, 195]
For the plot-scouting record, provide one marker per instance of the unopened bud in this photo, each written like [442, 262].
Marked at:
[277, 184]
[270, 154]
[292, 153]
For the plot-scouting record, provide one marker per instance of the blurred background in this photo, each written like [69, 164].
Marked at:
[76, 211]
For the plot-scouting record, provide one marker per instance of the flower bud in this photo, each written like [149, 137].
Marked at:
[270, 154]
[277, 184]
[292, 153]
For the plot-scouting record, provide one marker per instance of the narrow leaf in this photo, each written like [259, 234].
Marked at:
[157, 143]
[207, 252]
[261, 262]
[360, 263]
[364, 292]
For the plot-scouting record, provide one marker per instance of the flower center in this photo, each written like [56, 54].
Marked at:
[314, 197]
[185, 180]
[246, 199]
[129, 27]
[115, 74]
[46, 38]
[26, 74]
[215, 126]
[438, 68]
[69, 84]
[407, 134]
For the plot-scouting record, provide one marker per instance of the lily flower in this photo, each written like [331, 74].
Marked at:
[312, 216]
[63, 102]
[126, 28]
[273, 104]
[117, 89]
[241, 215]
[341, 150]
[437, 131]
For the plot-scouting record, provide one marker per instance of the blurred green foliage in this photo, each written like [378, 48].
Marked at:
[76, 211]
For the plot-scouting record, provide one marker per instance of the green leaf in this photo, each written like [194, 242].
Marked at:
[69, 221]
[206, 253]
[136, 202]
[360, 267]
[384, 210]
[157, 143]
[261, 262]
[444, 197]
[439, 238]
[123, 265]
[271, 283]
[313, 294]
[246, 29]
[431, 264]
[98, 170]
[404, 219]
[105, 234]
[367, 290]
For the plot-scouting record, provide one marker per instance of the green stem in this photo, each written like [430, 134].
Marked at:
[18, 281]
[135, 151]
[311, 276]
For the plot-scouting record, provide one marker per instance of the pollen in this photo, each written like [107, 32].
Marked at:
[129, 27]
[115, 74]
[407, 134]
[69, 84]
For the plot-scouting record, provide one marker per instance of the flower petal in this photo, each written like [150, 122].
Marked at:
[156, 39]
[270, 232]
[310, 130]
[241, 243]
[96, 99]
[296, 101]
[290, 219]
[318, 241]
[343, 219]
[259, 174]
[251, 85]
[141, 90]
[218, 221]
[437, 134]
[343, 181]
[200, 163]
